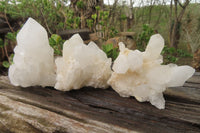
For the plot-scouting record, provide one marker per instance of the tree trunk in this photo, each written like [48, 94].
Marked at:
[150, 10]
[176, 22]
[170, 22]
[130, 17]
[175, 35]
[113, 12]
[82, 20]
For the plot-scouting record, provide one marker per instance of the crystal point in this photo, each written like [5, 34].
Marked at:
[33, 59]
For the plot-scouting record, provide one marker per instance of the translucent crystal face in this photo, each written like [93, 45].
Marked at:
[82, 65]
[140, 74]
[33, 59]
[135, 73]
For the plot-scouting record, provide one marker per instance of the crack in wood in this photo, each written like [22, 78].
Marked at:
[103, 110]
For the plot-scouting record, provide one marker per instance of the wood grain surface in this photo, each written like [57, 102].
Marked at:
[46, 110]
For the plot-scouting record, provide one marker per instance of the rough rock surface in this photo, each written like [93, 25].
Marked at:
[140, 74]
[82, 65]
[128, 41]
[196, 60]
[34, 58]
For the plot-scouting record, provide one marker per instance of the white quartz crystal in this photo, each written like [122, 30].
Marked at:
[82, 65]
[33, 60]
[140, 74]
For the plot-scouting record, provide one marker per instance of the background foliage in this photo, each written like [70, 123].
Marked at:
[108, 21]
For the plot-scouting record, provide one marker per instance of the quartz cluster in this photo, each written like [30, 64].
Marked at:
[34, 58]
[82, 65]
[140, 74]
[135, 73]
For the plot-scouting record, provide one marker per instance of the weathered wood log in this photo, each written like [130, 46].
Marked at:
[3, 25]
[37, 109]
[84, 33]
[4, 30]
[126, 33]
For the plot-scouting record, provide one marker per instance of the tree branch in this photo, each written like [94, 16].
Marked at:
[180, 4]
[185, 4]
[46, 22]
[183, 10]
[5, 16]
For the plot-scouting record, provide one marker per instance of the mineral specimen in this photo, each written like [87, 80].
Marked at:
[140, 74]
[33, 60]
[82, 65]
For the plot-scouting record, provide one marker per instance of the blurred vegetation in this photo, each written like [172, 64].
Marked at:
[144, 36]
[110, 51]
[107, 21]
[9, 38]
[56, 42]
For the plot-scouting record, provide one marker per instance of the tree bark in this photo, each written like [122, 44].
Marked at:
[150, 10]
[113, 12]
[176, 22]
[130, 17]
